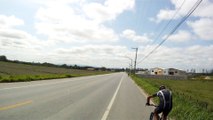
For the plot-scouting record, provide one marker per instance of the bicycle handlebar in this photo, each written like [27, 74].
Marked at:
[152, 105]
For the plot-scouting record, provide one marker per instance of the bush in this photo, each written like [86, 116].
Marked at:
[68, 76]
[3, 58]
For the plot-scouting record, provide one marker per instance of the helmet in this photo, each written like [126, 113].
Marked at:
[162, 87]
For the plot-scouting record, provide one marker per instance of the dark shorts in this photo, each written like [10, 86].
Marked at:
[165, 111]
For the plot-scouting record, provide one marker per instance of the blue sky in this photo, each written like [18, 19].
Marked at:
[102, 32]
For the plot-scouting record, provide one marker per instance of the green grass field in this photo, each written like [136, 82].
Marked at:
[192, 99]
[14, 72]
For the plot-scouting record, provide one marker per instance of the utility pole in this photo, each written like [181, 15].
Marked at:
[130, 67]
[136, 54]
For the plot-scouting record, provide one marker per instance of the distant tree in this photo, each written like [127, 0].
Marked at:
[103, 68]
[211, 71]
[48, 64]
[3, 58]
[76, 67]
[64, 66]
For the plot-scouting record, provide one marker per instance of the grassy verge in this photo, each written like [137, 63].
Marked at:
[25, 78]
[28, 78]
[192, 100]
[15, 72]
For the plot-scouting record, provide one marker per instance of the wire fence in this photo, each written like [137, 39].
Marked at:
[165, 77]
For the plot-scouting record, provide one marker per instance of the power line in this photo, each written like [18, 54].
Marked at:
[161, 32]
[165, 27]
[175, 28]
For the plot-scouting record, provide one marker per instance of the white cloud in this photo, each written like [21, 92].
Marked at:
[97, 12]
[66, 21]
[204, 10]
[84, 31]
[9, 21]
[13, 39]
[131, 35]
[183, 58]
[55, 2]
[94, 55]
[84, 22]
[109, 10]
[94, 51]
[80, 21]
[203, 28]
[10, 36]
[165, 15]
[13, 33]
[180, 36]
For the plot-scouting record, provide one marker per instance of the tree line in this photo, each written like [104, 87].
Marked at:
[46, 64]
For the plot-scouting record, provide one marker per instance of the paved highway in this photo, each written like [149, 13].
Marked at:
[101, 97]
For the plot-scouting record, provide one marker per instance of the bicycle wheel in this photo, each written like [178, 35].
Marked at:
[151, 116]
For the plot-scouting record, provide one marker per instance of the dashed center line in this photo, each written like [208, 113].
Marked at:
[15, 105]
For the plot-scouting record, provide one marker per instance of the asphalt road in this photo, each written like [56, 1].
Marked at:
[102, 97]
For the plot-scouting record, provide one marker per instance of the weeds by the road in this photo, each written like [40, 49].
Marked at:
[192, 100]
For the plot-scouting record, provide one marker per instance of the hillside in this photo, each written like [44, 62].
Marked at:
[14, 72]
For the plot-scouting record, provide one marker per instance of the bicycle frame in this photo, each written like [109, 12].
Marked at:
[152, 114]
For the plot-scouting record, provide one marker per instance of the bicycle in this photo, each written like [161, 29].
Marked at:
[151, 117]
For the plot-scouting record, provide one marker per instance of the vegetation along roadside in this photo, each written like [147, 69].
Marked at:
[19, 72]
[192, 99]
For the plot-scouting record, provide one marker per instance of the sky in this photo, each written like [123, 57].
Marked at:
[103, 33]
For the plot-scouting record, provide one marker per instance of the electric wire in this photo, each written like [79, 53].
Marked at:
[174, 29]
[165, 27]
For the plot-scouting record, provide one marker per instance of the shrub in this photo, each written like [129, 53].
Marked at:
[68, 76]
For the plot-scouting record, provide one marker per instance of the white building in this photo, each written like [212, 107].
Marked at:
[173, 71]
[156, 71]
[168, 71]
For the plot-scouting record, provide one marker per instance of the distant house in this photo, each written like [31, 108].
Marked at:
[144, 72]
[173, 71]
[156, 71]
[91, 69]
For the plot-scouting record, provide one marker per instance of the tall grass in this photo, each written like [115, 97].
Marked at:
[187, 105]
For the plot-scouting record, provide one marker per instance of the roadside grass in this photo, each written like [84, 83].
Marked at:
[25, 78]
[28, 78]
[192, 99]
[14, 72]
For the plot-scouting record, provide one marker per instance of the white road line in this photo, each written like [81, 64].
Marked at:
[104, 117]
[36, 85]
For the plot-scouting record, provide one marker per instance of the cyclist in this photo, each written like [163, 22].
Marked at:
[165, 104]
